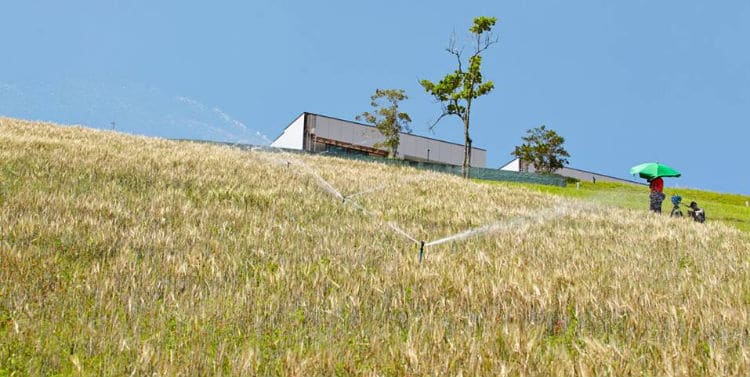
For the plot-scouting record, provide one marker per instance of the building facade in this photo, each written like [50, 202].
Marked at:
[319, 133]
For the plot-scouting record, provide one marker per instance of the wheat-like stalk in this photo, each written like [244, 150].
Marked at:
[124, 255]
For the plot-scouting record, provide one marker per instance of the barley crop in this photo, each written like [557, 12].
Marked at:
[124, 255]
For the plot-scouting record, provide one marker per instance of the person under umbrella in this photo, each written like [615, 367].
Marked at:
[653, 173]
[657, 194]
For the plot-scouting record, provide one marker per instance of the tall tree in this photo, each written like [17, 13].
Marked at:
[387, 118]
[544, 149]
[457, 90]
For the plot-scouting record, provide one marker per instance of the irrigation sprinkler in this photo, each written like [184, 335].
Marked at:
[421, 251]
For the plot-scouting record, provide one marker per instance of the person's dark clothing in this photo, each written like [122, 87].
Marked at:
[655, 201]
[697, 213]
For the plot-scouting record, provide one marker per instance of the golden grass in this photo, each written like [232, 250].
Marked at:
[122, 255]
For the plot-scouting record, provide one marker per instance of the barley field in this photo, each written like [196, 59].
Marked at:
[124, 255]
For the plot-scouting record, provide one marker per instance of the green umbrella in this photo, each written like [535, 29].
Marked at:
[652, 170]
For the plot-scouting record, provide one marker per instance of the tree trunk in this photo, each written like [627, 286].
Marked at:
[467, 149]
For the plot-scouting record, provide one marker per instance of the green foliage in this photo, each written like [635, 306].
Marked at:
[457, 90]
[544, 149]
[387, 118]
[482, 24]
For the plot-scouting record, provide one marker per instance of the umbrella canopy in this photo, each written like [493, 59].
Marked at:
[651, 170]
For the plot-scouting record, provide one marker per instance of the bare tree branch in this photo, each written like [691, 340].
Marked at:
[453, 50]
[451, 43]
[443, 115]
[483, 45]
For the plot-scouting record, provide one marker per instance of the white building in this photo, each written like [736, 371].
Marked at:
[317, 133]
[518, 165]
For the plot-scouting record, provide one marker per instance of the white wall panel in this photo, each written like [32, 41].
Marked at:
[514, 165]
[293, 135]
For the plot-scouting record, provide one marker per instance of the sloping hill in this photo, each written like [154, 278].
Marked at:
[730, 209]
[126, 255]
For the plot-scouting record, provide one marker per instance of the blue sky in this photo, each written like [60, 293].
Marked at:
[623, 82]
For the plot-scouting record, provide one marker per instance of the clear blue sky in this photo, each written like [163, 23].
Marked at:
[623, 81]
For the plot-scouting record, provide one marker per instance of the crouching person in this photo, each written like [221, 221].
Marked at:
[697, 213]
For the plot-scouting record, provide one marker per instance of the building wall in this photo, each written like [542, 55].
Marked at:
[514, 165]
[419, 148]
[411, 146]
[348, 132]
[293, 136]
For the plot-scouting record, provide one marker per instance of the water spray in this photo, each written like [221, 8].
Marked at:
[327, 186]
[418, 178]
[402, 232]
[541, 216]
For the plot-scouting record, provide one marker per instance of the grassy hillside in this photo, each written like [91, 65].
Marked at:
[122, 255]
[730, 209]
